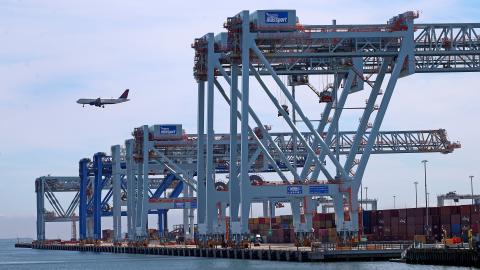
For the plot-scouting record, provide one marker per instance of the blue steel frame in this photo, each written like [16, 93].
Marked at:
[84, 178]
[162, 213]
[95, 206]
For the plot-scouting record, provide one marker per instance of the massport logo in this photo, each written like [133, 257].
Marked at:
[276, 17]
[168, 130]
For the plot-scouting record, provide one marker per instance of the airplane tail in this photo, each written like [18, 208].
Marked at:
[125, 94]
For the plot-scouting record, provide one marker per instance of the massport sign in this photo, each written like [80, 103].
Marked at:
[277, 17]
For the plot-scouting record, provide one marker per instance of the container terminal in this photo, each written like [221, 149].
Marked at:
[215, 178]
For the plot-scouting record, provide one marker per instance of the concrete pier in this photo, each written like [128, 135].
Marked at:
[443, 256]
[271, 254]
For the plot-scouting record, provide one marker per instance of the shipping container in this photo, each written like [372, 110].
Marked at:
[455, 219]
[465, 210]
[456, 229]
[434, 220]
[419, 220]
[419, 229]
[434, 211]
[381, 225]
[454, 210]
[445, 219]
[411, 220]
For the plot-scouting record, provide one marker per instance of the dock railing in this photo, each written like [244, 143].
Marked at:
[441, 246]
[325, 247]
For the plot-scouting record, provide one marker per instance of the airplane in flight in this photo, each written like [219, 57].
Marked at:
[101, 102]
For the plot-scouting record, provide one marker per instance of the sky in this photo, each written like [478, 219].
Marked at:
[54, 52]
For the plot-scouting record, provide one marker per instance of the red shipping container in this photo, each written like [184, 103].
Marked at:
[394, 229]
[435, 220]
[411, 212]
[474, 228]
[419, 212]
[387, 221]
[455, 210]
[465, 210]
[386, 230]
[411, 220]
[445, 219]
[394, 220]
[410, 231]
[402, 229]
[419, 229]
[475, 218]
[419, 220]
[445, 211]
[455, 219]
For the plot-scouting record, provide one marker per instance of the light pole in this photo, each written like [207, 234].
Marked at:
[426, 197]
[416, 194]
[471, 188]
[394, 201]
[366, 198]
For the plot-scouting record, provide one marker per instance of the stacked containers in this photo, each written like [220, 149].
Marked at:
[455, 226]
[465, 220]
[402, 224]
[367, 222]
[475, 218]
[445, 216]
[381, 225]
[394, 225]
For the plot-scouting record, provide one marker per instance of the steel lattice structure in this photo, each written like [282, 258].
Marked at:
[257, 45]
[359, 56]
[178, 158]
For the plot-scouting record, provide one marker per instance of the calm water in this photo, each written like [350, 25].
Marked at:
[12, 258]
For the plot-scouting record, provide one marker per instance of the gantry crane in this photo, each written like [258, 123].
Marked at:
[358, 56]
[177, 158]
[273, 43]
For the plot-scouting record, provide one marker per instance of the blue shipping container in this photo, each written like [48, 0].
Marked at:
[456, 229]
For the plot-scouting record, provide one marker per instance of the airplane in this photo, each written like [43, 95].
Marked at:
[99, 102]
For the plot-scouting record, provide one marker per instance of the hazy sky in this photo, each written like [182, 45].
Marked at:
[54, 52]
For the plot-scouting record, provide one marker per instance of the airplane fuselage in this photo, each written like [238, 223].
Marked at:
[101, 102]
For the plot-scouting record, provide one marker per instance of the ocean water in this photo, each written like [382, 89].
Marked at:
[20, 258]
